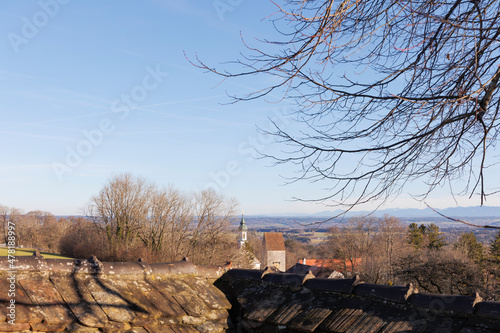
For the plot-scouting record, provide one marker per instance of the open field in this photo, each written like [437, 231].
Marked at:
[29, 252]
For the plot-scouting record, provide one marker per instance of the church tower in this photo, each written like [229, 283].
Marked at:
[243, 232]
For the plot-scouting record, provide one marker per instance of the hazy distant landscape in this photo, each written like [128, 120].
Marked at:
[313, 228]
[481, 215]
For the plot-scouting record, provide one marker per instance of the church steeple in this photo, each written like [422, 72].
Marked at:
[243, 231]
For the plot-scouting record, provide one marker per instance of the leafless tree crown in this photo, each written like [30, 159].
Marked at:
[387, 92]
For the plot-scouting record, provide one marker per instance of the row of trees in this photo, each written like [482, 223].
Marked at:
[164, 223]
[35, 229]
[386, 251]
[131, 218]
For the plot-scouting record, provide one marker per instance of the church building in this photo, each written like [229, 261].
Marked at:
[246, 251]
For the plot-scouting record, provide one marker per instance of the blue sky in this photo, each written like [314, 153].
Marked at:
[91, 89]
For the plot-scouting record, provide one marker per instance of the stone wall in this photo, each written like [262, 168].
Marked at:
[53, 295]
[272, 257]
[92, 296]
[285, 302]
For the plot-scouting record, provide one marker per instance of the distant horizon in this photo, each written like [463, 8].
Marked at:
[329, 213]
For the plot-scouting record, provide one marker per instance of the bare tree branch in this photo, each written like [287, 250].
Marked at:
[386, 93]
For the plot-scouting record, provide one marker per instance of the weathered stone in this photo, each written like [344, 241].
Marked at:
[122, 268]
[396, 294]
[264, 305]
[155, 302]
[190, 320]
[210, 327]
[309, 320]
[43, 294]
[77, 328]
[159, 329]
[136, 330]
[296, 304]
[79, 299]
[139, 321]
[25, 311]
[213, 297]
[169, 321]
[16, 327]
[113, 326]
[445, 303]
[3, 310]
[344, 286]
[226, 323]
[61, 265]
[213, 272]
[112, 303]
[173, 268]
[217, 315]
[169, 285]
[136, 299]
[44, 327]
[184, 329]
[193, 305]
[30, 264]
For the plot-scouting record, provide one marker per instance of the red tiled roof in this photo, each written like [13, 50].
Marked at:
[274, 241]
[336, 264]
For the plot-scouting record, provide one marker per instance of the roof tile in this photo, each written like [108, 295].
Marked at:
[112, 303]
[396, 294]
[191, 303]
[26, 311]
[336, 285]
[274, 241]
[43, 294]
[445, 303]
[78, 297]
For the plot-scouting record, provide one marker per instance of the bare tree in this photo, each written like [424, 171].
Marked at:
[36, 230]
[210, 241]
[138, 218]
[4, 218]
[16, 216]
[121, 208]
[354, 244]
[371, 247]
[83, 240]
[166, 229]
[393, 242]
[387, 92]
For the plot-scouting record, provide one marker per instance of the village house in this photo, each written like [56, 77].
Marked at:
[273, 251]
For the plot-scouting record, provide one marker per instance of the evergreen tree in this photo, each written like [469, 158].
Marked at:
[495, 247]
[435, 238]
[423, 236]
[415, 236]
[469, 246]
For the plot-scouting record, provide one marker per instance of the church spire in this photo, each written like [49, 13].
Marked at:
[243, 231]
[243, 226]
